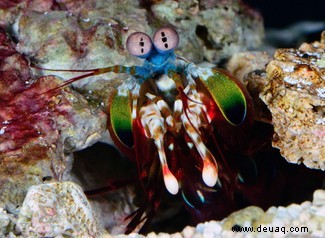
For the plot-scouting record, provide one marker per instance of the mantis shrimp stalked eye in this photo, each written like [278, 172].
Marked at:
[172, 118]
[165, 39]
[139, 44]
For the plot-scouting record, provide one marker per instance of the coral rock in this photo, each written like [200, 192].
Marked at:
[211, 30]
[304, 220]
[37, 129]
[245, 62]
[295, 95]
[7, 223]
[55, 209]
[92, 36]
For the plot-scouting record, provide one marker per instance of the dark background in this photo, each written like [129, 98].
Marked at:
[282, 13]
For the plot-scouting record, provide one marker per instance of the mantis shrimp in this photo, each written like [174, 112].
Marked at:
[169, 118]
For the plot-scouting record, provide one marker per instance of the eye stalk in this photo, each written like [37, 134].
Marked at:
[139, 44]
[165, 39]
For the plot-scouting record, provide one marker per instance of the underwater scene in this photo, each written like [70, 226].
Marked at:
[162, 118]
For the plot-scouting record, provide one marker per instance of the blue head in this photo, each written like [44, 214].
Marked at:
[158, 53]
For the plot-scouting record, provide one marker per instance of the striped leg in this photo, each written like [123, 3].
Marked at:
[155, 128]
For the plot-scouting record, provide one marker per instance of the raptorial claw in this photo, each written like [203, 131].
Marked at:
[152, 119]
[171, 182]
[191, 124]
[209, 173]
